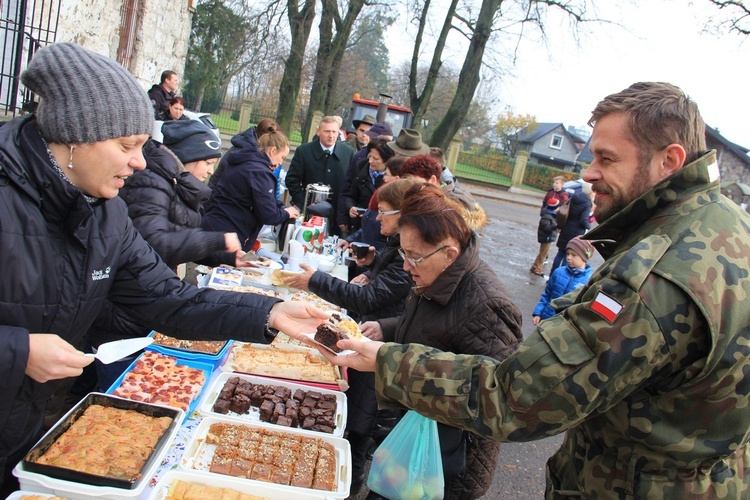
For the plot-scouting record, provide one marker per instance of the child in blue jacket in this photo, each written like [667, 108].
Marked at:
[565, 278]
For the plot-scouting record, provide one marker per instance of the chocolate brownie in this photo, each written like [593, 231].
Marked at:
[240, 404]
[221, 406]
[266, 410]
[327, 334]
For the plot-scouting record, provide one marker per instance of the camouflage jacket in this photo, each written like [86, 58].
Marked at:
[646, 371]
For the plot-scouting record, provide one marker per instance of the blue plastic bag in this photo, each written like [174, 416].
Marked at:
[408, 465]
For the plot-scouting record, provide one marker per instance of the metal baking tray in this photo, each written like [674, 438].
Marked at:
[74, 414]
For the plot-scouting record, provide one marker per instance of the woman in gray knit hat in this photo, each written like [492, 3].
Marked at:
[68, 245]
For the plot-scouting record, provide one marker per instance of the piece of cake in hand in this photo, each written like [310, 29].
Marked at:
[328, 335]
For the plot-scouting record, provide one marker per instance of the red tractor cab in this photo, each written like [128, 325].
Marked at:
[397, 117]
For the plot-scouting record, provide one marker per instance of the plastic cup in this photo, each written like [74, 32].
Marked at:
[360, 249]
[293, 264]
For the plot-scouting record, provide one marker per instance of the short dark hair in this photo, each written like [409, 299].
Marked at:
[395, 164]
[177, 100]
[381, 146]
[166, 75]
[436, 218]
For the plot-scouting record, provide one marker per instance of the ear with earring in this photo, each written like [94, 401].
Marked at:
[70, 162]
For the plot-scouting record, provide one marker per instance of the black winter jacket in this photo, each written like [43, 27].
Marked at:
[362, 189]
[382, 297]
[578, 219]
[63, 258]
[244, 198]
[164, 202]
[546, 232]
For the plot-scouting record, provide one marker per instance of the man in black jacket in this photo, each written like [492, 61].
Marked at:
[163, 92]
[321, 161]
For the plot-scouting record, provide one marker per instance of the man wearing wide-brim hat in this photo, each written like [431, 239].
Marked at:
[361, 126]
[409, 143]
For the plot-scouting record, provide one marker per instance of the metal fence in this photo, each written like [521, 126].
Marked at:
[228, 117]
[25, 26]
[498, 169]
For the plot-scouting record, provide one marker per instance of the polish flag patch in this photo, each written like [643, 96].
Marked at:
[606, 307]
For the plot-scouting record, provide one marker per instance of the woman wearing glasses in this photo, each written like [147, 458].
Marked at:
[380, 295]
[457, 305]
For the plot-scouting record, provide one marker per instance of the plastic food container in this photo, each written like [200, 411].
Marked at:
[198, 455]
[58, 481]
[205, 367]
[214, 360]
[283, 373]
[265, 490]
[206, 407]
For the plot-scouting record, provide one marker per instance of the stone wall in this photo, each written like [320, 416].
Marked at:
[161, 41]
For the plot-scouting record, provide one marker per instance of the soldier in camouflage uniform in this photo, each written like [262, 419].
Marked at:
[646, 369]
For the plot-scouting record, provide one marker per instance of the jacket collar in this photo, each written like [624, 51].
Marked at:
[444, 286]
[697, 179]
[29, 168]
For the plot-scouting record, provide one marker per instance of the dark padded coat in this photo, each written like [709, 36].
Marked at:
[62, 259]
[244, 198]
[164, 202]
[467, 310]
[311, 165]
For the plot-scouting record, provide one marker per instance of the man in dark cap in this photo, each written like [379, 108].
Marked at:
[361, 126]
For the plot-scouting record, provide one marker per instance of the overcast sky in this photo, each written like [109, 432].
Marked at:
[664, 41]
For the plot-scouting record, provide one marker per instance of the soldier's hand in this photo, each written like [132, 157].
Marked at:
[364, 358]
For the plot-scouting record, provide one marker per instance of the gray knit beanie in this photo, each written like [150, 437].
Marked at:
[85, 97]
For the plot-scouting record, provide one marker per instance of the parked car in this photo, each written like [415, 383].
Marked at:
[204, 118]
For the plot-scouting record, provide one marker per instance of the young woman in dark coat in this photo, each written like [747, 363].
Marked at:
[244, 199]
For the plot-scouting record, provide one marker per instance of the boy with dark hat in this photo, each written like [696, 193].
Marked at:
[546, 234]
[574, 274]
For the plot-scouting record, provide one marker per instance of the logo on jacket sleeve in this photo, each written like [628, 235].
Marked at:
[100, 275]
[606, 307]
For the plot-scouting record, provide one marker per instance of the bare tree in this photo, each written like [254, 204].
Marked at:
[300, 24]
[330, 55]
[739, 20]
[420, 101]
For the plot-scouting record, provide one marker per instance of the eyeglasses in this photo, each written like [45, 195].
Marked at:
[416, 262]
[387, 212]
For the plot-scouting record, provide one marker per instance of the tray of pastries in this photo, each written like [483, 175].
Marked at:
[293, 460]
[181, 485]
[257, 399]
[159, 378]
[286, 361]
[104, 441]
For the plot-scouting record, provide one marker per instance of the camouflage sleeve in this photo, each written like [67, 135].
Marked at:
[575, 364]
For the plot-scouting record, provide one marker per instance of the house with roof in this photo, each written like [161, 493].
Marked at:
[733, 160]
[551, 144]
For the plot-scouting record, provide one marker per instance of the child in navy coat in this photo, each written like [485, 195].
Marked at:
[546, 234]
[565, 278]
